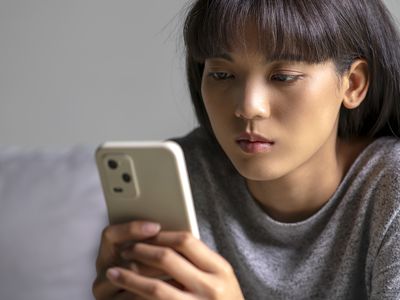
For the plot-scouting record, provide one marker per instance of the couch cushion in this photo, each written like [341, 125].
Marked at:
[52, 212]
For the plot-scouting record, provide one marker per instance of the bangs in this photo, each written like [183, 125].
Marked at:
[286, 29]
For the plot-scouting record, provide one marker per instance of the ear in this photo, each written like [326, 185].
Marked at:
[358, 83]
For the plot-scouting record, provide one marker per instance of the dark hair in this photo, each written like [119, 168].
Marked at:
[313, 31]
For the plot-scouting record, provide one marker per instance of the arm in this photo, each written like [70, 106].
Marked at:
[385, 282]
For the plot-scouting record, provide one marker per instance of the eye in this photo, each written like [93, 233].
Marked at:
[220, 75]
[285, 78]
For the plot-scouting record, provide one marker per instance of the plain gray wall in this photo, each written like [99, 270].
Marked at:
[86, 71]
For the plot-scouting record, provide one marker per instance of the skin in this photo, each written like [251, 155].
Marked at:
[196, 271]
[294, 104]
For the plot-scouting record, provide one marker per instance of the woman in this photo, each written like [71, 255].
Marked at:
[294, 168]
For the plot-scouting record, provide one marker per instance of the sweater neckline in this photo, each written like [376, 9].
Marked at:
[332, 202]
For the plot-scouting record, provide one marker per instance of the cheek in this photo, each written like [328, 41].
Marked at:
[311, 110]
[214, 100]
[209, 104]
[208, 99]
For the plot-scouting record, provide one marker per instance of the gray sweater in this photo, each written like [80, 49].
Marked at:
[349, 249]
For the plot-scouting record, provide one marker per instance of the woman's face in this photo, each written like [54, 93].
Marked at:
[271, 117]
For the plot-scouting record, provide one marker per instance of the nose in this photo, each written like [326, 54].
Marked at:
[254, 102]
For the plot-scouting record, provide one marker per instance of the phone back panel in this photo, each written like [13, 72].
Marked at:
[147, 181]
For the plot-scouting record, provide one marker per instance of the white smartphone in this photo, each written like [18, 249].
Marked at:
[147, 181]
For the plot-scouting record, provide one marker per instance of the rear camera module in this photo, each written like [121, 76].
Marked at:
[112, 164]
[126, 177]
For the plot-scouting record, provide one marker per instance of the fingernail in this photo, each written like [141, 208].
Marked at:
[113, 274]
[150, 228]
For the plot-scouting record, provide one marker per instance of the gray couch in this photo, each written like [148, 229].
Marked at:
[52, 213]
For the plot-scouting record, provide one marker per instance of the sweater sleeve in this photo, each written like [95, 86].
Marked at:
[385, 282]
[385, 271]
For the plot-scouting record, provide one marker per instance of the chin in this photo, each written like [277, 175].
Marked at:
[257, 170]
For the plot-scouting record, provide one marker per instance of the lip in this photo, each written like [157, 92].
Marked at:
[253, 143]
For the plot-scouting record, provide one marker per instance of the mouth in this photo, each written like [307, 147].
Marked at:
[253, 143]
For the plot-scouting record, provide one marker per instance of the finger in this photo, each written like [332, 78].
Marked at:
[148, 288]
[143, 269]
[125, 295]
[103, 289]
[135, 230]
[115, 235]
[176, 284]
[173, 264]
[192, 248]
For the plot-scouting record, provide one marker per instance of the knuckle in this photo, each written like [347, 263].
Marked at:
[96, 287]
[227, 270]
[133, 228]
[162, 256]
[184, 239]
[107, 234]
[206, 284]
[124, 280]
[225, 267]
[217, 291]
[155, 290]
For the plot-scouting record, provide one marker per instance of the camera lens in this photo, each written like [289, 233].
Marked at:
[126, 177]
[112, 164]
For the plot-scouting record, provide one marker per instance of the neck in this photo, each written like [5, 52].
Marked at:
[300, 194]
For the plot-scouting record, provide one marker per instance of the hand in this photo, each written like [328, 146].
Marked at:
[114, 239]
[197, 271]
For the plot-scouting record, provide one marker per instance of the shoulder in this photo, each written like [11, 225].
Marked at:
[380, 162]
[384, 236]
[372, 186]
[384, 164]
[387, 151]
[378, 181]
